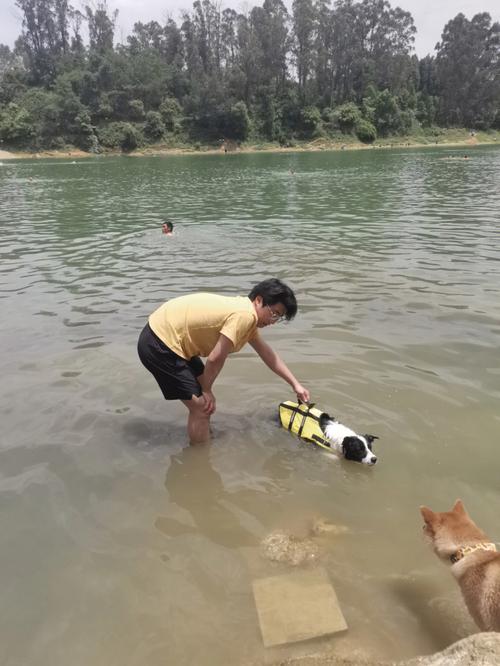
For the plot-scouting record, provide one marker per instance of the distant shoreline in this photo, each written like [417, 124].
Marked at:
[319, 145]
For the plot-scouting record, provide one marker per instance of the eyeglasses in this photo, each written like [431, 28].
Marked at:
[275, 316]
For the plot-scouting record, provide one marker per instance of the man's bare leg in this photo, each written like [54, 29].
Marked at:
[198, 424]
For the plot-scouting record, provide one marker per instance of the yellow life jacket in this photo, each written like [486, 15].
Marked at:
[303, 420]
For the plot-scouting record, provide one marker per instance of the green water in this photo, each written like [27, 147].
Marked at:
[120, 544]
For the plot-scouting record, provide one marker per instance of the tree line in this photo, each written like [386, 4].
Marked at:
[318, 70]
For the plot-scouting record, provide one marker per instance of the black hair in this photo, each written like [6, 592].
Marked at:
[170, 225]
[274, 291]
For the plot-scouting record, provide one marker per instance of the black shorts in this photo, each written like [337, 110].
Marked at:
[176, 377]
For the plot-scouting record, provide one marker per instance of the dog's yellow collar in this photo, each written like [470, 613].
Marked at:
[467, 550]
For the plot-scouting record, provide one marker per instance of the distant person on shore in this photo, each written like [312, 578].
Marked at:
[167, 228]
[201, 324]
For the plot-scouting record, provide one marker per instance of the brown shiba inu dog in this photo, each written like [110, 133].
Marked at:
[474, 561]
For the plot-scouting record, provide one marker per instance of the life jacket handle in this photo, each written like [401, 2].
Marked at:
[309, 405]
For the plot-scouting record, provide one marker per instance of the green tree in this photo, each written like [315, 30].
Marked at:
[44, 40]
[270, 26]
[304, 23]
[121, 135]
[135, 109]
[13, 76]
[468, 71]
[154, 127]
[101, 27]
[365, 131]
[171, 113]
[372, 44]
[7, 60]
[310, 121]
[382, 109]
[263, 73]
[131, 138]
[236, 122]
[147, 37]
[324, 53]
[229, 39]
[15, 124]
[347, 116]
[44, 113]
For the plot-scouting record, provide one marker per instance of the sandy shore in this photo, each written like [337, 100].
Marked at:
[7, 155]
[312, 146]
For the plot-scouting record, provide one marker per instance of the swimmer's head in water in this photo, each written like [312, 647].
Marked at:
[167, 227]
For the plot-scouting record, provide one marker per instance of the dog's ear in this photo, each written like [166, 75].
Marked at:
[427, 515]
[429, 526]
[459, 508]
[370, 438]
[324, 420]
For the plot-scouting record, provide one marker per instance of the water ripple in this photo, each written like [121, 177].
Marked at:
[396, 263]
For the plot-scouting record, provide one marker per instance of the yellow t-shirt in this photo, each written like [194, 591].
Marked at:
[191, 325]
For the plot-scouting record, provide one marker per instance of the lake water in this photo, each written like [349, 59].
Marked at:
[120, 544]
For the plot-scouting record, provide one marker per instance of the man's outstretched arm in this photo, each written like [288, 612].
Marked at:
[274, 363]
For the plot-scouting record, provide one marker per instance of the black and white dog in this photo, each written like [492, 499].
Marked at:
[346, 442]
[315, 426]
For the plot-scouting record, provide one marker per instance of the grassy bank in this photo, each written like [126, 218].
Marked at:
[440, 137]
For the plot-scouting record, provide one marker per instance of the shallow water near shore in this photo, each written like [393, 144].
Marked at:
[120, 543]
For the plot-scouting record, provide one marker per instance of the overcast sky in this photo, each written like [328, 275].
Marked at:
[430, 16]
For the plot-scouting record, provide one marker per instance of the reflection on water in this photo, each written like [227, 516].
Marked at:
[120, 543]
[197, 488]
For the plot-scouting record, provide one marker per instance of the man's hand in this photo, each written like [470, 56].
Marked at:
[209, 398]
[302, 393]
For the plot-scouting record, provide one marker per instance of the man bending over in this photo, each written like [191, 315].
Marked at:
[185, 328]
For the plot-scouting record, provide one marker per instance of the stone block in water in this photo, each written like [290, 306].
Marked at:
[297, 607]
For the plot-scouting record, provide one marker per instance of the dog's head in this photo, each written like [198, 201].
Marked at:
[359, 448]
[449, 530]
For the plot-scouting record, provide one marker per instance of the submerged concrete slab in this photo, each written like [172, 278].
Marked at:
[296, 607]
